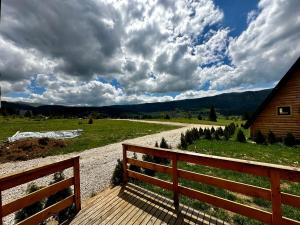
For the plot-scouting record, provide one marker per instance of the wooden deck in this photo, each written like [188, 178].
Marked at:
[134, 205]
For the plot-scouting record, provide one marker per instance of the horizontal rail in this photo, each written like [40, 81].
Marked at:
[275, 173]
[158, 182]
[36, 196]
[151, 166]
[49, 211]
[14, 180]
[17, 179]
[258, 214]
[241, 188]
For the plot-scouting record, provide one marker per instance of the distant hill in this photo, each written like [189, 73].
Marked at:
[226, 104]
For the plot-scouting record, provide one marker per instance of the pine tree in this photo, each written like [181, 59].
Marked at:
[212, 116]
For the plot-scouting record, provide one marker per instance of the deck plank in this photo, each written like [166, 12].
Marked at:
[135, 205]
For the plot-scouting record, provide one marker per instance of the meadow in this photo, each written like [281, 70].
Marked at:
[100, 133]
[275, 153]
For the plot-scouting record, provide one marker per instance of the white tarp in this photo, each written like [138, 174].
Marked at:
[63, 134]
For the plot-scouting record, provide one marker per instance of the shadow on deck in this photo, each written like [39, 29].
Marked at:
[134, 205]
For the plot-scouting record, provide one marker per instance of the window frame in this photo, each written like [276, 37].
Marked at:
[285, 106]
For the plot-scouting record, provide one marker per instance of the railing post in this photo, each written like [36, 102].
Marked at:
[1, 218]
[175, 181]
[76, 172]
[276, 198]
[125, 172]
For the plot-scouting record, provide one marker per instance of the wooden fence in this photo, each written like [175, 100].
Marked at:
[275, 173]
[33, 174]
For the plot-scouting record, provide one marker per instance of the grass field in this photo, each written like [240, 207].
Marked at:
[100, 133]
[221, 121]
[277, 154]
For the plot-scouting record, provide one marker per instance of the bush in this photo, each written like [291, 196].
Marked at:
[32, 209]
[148, 158]
[117, 177]
[289, 140]
[134, 167]
[212, 116]
[271, 138]
[156, 144]
[188, 137]
[90, 121]
[220, 131]
[201, 132]
[212, 130]
[67, 213]
[159, 160]
[259, 138]
[199, 117]
[217, 137]
[226, 133]
[207, 134]
[183, 144]
[240, 137]
[167, 117]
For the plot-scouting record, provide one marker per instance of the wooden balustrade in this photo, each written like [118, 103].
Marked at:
[17, 179]
[275, 173]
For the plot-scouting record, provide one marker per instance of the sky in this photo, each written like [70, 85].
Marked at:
[107, 52]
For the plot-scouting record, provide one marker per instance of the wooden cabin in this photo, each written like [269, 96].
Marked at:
[280, 112]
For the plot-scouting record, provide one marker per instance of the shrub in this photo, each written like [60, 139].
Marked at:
[167, 117]
[117, 177]
[271, 138]
[183, 144]
[217, 137]
[259, 138]
[32, 209]
[289, 140]
[220, 131]
[207, 134]
[212, 116]
[240, 137]
[195, 134]
[156, 144]
[212, 130]
[67, 213]
[226, 133]
[134, 167]
[163, 144]
[201, 132]
[90, 121]
[199, 117]
[188, 137]
[148, 158]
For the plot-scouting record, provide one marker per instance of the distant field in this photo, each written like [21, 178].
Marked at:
[100, 133]
[221, 121]
[277, 154]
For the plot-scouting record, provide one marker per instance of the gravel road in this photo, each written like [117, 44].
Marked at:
[96, 165]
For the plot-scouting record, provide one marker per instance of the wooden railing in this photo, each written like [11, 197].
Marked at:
[275, 173]
[33, 174]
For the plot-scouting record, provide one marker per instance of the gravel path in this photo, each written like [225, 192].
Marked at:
[96, 165]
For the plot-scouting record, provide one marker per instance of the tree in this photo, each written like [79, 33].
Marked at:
[167, 117]
[240, 137]
[199, 116]
[183, 143]
[212, 116]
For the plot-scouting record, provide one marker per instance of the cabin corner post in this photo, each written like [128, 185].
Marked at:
[175, 181]
[125, 169]
[76, 170]
[1, 218]
[276, 198]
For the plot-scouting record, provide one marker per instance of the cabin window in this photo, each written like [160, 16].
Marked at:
[285, 110]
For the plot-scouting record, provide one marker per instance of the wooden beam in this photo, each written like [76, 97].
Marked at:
[251, 212]
[155, 181]
[175, 182]
[14, 180]
[276, 198]
[76, 172]
[152, 166]
[36, 196]
[241, 188]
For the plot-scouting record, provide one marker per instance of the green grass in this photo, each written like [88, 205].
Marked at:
[220, 121]
[100, 133]
[277, 154]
